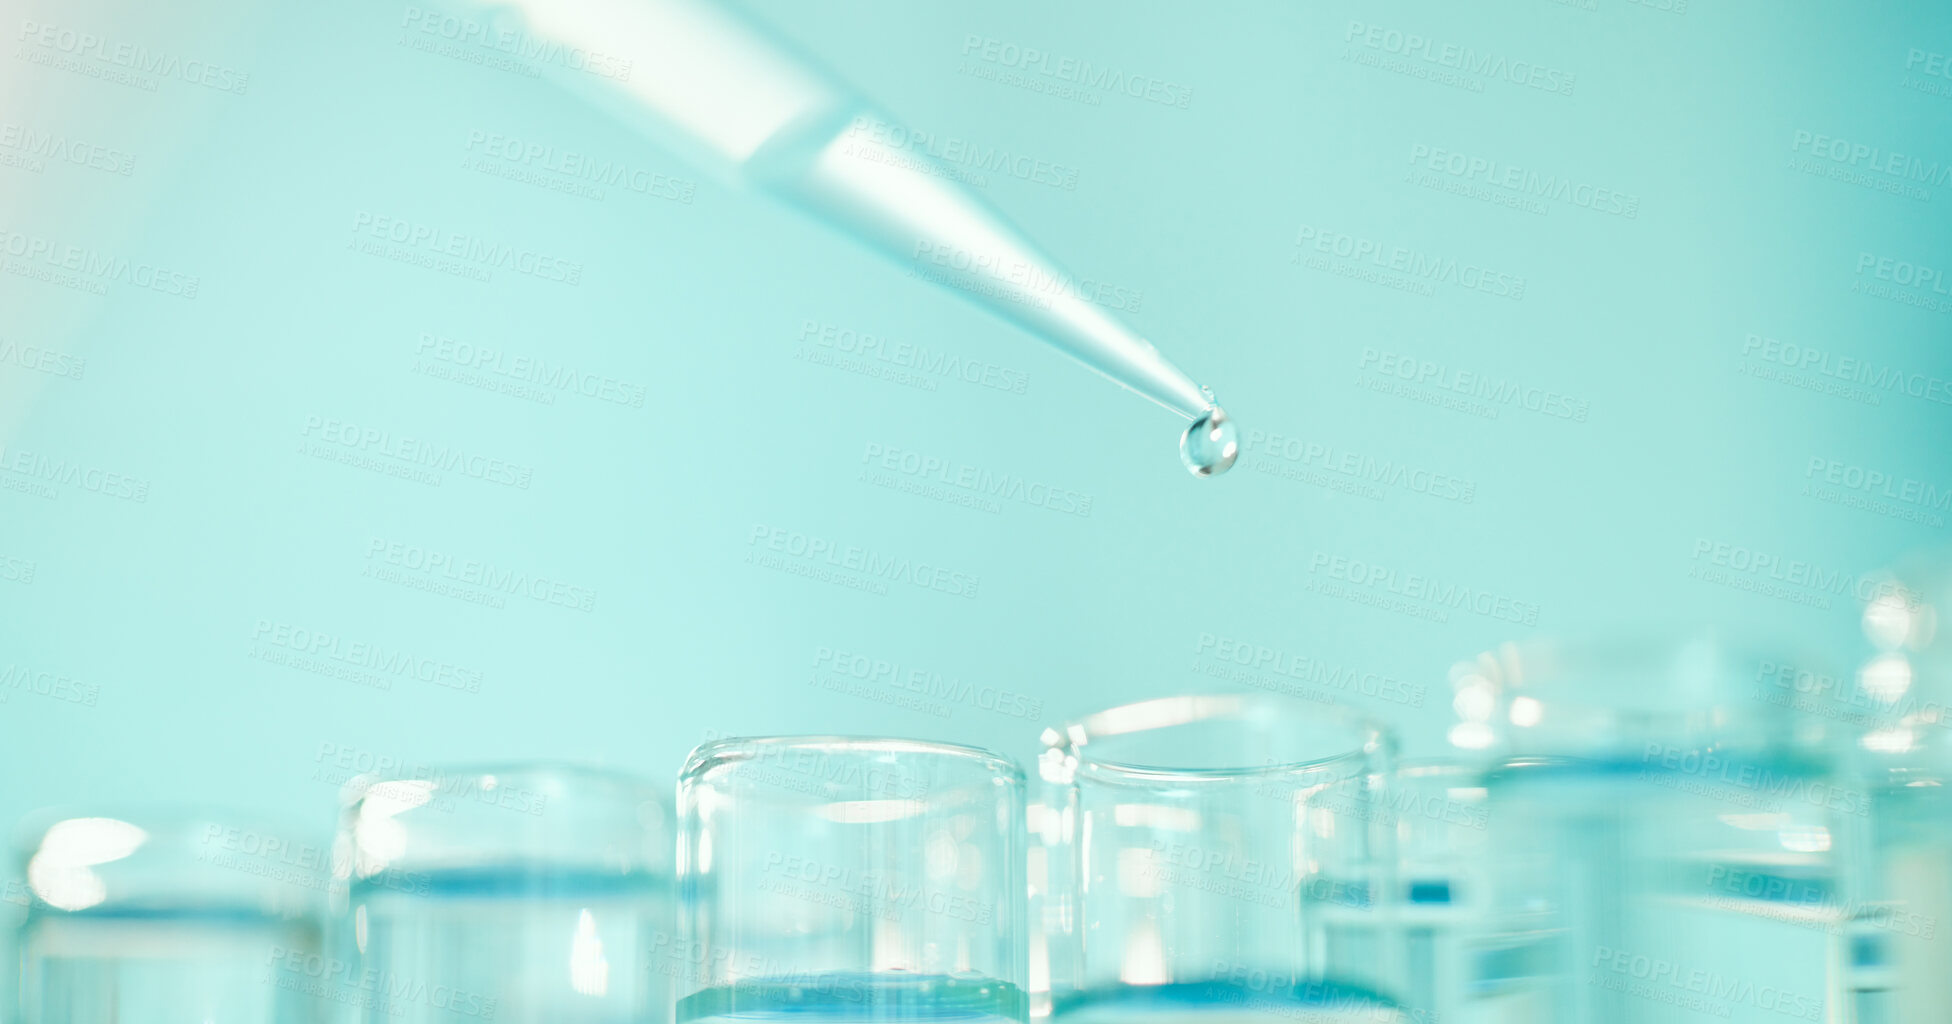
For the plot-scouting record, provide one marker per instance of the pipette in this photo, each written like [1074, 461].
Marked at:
[707, 84]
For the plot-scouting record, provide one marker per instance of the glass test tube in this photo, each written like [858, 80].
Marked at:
[1436, 809]
[166, 917]
[830, 879]
[1900, 700]
[1664, 837]
[1216, 858]
[520, 893]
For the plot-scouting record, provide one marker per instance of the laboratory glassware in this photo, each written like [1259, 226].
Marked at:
[166, 916]
[701, 80]
[848, 879]
[1436, 810]
[1899, 700]
[1216, 858]
[522, 892]
[1664, 836]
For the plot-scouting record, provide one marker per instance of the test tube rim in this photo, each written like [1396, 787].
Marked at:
[356, 788]
[737, 749]
[1071, 743]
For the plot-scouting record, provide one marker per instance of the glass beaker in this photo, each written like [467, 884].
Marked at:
[168, 917]
[524, 893]
[1664, 836]
[1217, 858]
[843, 879]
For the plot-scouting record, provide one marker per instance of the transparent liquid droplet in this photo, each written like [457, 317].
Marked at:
[1211, 444]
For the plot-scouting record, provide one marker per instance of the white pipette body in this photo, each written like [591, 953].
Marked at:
[707, 84]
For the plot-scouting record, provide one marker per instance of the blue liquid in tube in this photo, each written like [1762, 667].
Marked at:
[847, 997]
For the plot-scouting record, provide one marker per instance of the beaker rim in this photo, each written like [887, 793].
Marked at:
[443, 776]
[738, 748]
[1368, 740]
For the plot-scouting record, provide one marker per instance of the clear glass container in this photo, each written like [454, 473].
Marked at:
[517, 893]
[168, 916]
[1900, 700]
[1664, 836]
[1216, 858]
[1436, 810]
[830, 879]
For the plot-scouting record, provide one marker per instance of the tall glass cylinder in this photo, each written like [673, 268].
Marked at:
[1217, 857]
[1900, 700]
[521, 893]
[167, 917]
[1436, 810]
[1664, 837]
[839, 879]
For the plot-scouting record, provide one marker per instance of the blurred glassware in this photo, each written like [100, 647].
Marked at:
[1437, 811]
[1664, 833]
[524, 892]
[842, 879]
[1901, 700]
[167, 915]
[1216, 857]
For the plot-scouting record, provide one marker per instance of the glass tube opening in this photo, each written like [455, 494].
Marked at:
[1214, 738]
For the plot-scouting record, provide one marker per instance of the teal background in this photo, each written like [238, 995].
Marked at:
[155, 609]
